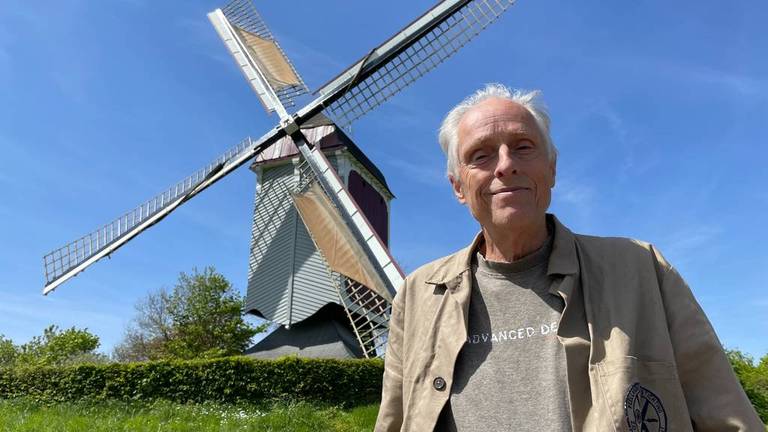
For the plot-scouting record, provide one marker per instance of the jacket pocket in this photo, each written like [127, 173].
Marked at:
[643, 395]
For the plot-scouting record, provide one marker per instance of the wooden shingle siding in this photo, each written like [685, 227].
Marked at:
[271, 258]
[312, 286]
[287, 280]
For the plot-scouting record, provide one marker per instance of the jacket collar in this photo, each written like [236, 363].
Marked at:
[562, 260]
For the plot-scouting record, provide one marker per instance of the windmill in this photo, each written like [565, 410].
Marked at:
[357, 260]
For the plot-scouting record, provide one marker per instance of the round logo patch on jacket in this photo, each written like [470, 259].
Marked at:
[644, 410]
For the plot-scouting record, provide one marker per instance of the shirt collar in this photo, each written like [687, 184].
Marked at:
[562, 260]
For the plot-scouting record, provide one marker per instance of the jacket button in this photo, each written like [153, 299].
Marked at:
[439, 384]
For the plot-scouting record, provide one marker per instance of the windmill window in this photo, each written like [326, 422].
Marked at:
[371, 203]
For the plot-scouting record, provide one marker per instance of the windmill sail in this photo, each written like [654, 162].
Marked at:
[365, 295]
[407, 56]
[335, 240]
[278, 71]
[359, 228]
[67, 261]
[256, 51]
[387, 69]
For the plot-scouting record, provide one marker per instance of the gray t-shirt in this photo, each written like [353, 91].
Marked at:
[510, 375]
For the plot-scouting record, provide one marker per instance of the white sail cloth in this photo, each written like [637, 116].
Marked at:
[335, 240]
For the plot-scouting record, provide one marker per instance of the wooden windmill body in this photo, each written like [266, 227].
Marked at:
[289, 282]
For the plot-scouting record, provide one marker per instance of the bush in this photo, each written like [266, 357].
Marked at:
[754, 380]
[229, 380]
[55, 347]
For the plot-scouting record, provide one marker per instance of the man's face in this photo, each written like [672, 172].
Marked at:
[505, 174]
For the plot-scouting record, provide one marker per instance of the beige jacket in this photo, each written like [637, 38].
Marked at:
[629, 318]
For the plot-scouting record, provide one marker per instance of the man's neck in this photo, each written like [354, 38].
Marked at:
[505, 244]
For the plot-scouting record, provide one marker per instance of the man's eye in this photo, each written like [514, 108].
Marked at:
[525, 145]
[478, 157]
[525, 148]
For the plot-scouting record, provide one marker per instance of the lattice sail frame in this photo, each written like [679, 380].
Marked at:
[243, 14]
[69, 256]
[416, 60]
[367, 311]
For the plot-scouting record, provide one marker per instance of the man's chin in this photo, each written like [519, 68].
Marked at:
[510, 217]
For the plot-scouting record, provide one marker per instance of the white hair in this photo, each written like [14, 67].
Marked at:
[530, 100]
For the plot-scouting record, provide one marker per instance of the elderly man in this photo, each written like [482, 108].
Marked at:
[535, 328]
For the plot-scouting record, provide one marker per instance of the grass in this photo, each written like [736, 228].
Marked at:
[27, 415]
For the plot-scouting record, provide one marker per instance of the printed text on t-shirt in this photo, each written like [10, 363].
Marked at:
[513, 335]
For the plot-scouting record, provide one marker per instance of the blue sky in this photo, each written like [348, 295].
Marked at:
[660, 113]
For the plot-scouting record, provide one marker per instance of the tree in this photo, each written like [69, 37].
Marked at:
[151, 331]
[54, 348]
[201, 317]
[207, 317]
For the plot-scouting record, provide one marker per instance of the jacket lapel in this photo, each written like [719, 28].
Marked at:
[573, 330]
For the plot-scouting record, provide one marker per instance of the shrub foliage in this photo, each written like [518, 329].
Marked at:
[230, 380]
[55, 347]
[754, 378]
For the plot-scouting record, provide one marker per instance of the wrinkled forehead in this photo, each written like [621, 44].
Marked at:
[493, 117]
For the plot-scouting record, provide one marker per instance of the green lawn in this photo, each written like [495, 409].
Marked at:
[26, 415]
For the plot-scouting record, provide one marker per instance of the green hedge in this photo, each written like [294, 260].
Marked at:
[233, 379]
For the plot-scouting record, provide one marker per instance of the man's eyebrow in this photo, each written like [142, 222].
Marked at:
[494, 135]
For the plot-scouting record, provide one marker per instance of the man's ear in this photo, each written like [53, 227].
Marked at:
[456, 185]
[553, 172]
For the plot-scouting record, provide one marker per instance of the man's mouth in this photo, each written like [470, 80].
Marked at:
[508, 189]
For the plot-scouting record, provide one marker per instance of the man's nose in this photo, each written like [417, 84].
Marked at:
[505, 163]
